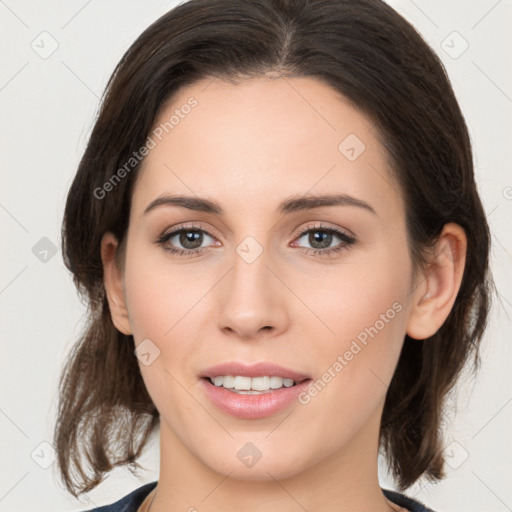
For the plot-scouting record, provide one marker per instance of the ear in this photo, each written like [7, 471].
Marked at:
[439, 284]
[114, 283]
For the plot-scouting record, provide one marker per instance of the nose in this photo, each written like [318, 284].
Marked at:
[252, 299]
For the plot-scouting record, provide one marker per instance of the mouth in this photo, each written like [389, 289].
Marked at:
[251, 385]
[252, 391]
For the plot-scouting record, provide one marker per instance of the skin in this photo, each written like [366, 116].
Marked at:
[248, 147]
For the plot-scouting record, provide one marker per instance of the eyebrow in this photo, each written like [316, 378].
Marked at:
[289, 205]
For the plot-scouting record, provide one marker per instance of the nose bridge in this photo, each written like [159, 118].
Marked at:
[250, 299]
[250, 274]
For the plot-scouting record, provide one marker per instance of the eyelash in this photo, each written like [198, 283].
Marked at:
[346, 240]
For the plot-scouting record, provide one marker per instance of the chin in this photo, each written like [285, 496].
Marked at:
[279, 463]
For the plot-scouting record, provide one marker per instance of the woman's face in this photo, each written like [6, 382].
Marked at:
[246, 287]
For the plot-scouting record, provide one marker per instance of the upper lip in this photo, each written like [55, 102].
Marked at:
[253, 370]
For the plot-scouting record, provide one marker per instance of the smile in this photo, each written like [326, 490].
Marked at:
[255, 385]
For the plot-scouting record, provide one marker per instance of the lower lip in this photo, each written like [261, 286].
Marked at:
[253, 407]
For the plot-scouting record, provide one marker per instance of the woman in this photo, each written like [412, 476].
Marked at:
[278, 231]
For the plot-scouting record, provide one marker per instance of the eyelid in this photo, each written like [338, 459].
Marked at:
[320, 225]
[187, 226]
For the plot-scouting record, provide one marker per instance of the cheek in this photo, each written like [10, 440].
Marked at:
[160, 298]
[362, 358]
[161, 309]
[354, 371]
[366, 312]
[369, 294]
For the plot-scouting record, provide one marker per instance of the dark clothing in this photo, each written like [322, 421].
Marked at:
[131, 502]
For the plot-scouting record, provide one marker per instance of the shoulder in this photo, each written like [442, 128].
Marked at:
[129, 503]
[404, 501]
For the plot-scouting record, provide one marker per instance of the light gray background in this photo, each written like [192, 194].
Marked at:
[47, 111]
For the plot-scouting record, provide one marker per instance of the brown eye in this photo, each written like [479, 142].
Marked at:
[185, 241]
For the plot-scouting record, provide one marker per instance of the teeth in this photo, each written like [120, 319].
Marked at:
[260, 383]
[218, 381]
[245, 385]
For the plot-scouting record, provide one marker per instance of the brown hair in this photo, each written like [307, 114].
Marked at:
[374, 58]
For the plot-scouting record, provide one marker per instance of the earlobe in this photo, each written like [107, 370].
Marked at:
[439, 284]
[113, 282]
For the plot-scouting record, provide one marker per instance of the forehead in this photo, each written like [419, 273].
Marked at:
[258, 141]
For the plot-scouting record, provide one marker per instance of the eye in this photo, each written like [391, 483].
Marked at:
[321, 237]
[187, 241]
[190, 238]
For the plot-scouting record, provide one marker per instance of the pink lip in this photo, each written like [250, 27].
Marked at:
[253, 406]
[263, 369]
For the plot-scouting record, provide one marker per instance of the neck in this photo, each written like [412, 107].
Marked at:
[346, 480]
